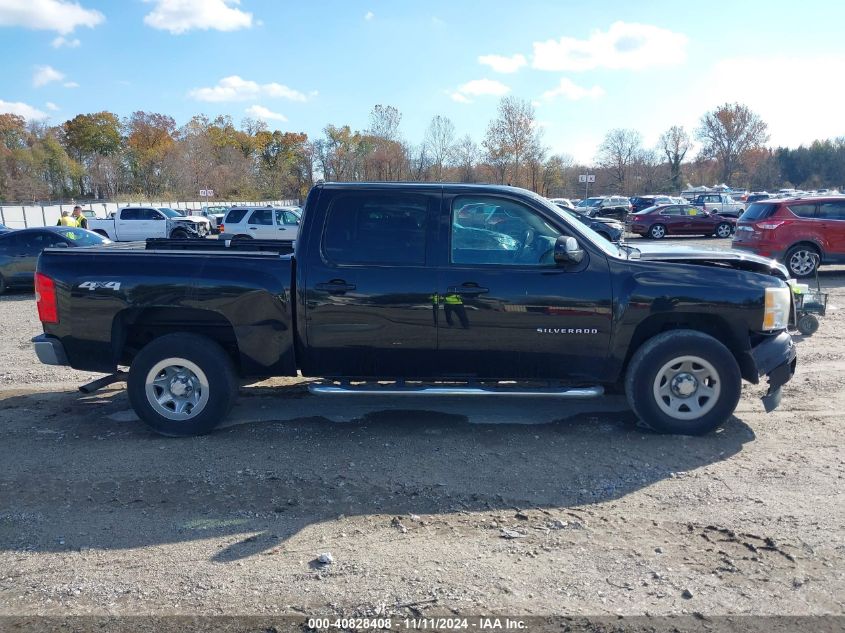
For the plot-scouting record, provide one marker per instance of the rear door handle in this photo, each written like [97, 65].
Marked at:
[335, 287]
[467, 289]
[253, 228]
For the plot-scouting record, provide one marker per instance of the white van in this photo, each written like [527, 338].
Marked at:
[261, 223]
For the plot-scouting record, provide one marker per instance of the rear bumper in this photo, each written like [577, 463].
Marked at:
[775, 358]
[49, 350]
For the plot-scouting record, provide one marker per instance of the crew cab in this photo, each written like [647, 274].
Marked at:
[719, 203]
[397, 288]
[132, 224]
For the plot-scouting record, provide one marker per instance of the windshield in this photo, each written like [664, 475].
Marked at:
[590, 202]
[170, 213]
[81, 237]
[578, 228]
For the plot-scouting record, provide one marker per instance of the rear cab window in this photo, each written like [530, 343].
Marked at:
[758, 211]
[235, 216]
[376, 228]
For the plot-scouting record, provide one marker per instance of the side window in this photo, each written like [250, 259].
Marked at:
[671, 211]
[130, 214]
[832, 210]
[489, 230]
[286, 217]
[376, 229]
[263, 217]
[803, 210]
[149, 214]
[234, 216]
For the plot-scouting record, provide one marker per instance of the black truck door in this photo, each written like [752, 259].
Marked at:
[368, 289]
[506, 310]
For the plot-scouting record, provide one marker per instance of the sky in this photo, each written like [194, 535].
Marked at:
[587, 67]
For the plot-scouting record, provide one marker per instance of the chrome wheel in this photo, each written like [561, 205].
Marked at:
[687, 388]
[723, 230]
[657, 231]
[177, 389]
[802, 262]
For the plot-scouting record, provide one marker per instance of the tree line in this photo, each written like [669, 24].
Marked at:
[101, 156]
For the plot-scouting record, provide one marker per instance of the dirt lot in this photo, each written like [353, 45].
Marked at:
[415, 499]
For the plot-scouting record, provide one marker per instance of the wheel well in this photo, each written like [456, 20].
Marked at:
[806, 243]
[132, 329]
[101, 232]
[710, 324]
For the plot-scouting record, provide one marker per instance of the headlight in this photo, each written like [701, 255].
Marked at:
[778, 304]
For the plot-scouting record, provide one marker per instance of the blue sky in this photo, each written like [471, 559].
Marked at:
[587, 66]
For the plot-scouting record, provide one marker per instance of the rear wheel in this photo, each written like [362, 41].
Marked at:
[242, 237]
[657, 232]
[684, 382]
[182, 384]
[802, 260]
[723, 230]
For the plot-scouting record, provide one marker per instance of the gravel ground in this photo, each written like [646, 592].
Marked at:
[425, 509]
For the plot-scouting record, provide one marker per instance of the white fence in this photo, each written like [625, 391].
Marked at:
[20, 217]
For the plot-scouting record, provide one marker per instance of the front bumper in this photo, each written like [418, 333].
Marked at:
[49, 350]
[774, 358]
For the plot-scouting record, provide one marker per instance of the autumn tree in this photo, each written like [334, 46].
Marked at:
[675, 143]
[618, 152]
[727, 133]
[150, 137]
[466, 155]
[510, 137]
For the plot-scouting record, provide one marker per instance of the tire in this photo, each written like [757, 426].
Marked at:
[657, 232]
[694, 360]
[242, 237]
[808, 324]
[723, 230]
[179, 234]
[802, 260]
[187, 361]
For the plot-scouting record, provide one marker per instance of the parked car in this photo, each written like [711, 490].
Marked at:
[215, 215]
[721, 203]
[617, 207]
[802, 232]
[4, 229]
[638, 203]
[678, 219]
[563, 202]
[19, 250]
[263, 223]
[609, 229]
[140, 223]
[756, 196]
[386, 283]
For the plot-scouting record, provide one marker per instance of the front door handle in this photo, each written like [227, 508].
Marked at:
[253, 228]
[467, 289]
[335, 287]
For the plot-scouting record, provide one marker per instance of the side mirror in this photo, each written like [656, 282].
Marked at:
[567, 251]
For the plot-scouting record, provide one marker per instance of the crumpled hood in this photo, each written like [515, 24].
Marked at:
[740, 260]
[193, 218]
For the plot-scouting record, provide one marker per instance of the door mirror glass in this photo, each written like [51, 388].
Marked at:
[568, 251]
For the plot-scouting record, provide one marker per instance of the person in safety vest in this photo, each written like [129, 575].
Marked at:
[81, 220]
[66, 220]
[453, 304]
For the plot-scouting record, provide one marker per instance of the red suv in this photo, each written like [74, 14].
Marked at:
[801, 232]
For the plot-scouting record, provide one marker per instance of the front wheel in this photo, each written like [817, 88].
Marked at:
[182, 384]
[723, 230]
[179, 234]
[683, 381]
[657, 231]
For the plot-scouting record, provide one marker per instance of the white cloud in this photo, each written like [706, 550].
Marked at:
[22, 109]
[179, 16]
[70, 84]
[52, 107]
[369, 15]
[502, 64]
[478, 88]
[572, 91]
[625, 45]
[67, 43]
[44, 75]
[265, 114]
[61, 16]
[235, 88]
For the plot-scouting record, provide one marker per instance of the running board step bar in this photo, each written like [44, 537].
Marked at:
[575, 393]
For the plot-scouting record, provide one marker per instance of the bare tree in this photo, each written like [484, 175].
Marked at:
[439, 143]
[618, 152]
[466, 158]
[728, 132]
[675, 143]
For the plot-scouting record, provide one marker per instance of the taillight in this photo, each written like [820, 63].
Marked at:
[222, 227]
[45, 299]
[768, 226]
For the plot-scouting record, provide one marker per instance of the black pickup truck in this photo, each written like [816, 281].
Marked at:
[422, 289]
